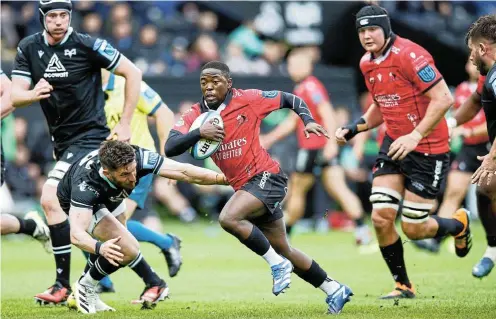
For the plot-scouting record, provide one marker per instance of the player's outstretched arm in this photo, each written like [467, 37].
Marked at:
[190, 173]
[80, 219]
[132, 91]
[467, 111]
[281, 131]
[441, 101]
[5, 89]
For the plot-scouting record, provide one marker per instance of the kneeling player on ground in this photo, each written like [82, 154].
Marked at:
[93, 192]
[253, 214]
[315, 151]
[411, 98]
[149, 105]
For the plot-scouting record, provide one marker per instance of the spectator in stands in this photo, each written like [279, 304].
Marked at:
[92, 24]
[150, 57]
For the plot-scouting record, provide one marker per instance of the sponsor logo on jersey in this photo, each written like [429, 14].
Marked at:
[55, 69]
[241, 118]
[395, 50]
[231, 149]
[427, 74]
[270, 94]
[70, 52]
[40, 53]
[388, 100]
[83, 186]
[123, 195]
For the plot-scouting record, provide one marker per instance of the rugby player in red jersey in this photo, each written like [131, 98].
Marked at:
[254, 214]
[411, 98]
[316, 155]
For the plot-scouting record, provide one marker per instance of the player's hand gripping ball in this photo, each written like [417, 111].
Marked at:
[212, 133]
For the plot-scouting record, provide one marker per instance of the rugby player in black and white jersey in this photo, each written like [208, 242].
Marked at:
[64, 68]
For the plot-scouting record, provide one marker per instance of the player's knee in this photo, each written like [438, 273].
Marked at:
[49, 201]
[385, 204]
[227, 221]
[130, 251]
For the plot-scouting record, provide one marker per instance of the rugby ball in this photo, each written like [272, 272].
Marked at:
[204, 148]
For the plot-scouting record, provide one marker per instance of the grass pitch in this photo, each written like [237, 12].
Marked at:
[222, 279]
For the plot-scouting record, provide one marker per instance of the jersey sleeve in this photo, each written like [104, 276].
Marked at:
[22, 67]
[149, 100]
[101, 52]
[187, 119]
[83, 196]
[418, 66]
[148, 162]
[480, 84]
[264, 102]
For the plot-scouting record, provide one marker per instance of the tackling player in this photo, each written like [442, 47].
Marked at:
[64, 67]
[315, 151]
[481, 40]
[254, 214]
[411, 98]
[92, 193]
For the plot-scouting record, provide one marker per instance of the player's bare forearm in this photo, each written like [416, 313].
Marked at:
[441, 101]
[190, 173]
[373, 117]
[80, 219]
[164, 122]
[469, 109]
[132, 87]
[20, 93]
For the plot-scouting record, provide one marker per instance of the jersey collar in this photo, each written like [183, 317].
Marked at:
[386, 51]
[64, 40]
[100, 171]
[204, 107]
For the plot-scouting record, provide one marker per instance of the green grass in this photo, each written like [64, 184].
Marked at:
[222, 279]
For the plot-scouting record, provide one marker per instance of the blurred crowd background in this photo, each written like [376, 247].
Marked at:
[170, 41]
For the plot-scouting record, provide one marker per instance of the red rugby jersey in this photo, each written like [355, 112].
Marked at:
[240, 156]
[398, 80]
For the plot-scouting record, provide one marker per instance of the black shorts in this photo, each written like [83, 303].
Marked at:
[466, 160]
[68, 157]
[270, 189]
[424, 173]
[312, 161]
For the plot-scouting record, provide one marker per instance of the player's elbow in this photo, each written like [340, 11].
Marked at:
[444, 101]
[170, 149]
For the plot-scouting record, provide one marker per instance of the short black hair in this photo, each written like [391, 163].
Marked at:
[484, 27]
[116, 154]
[221, 66]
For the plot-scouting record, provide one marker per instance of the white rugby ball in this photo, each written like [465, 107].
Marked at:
[204, 148]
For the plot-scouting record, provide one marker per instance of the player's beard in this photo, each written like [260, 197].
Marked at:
[481, 66]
